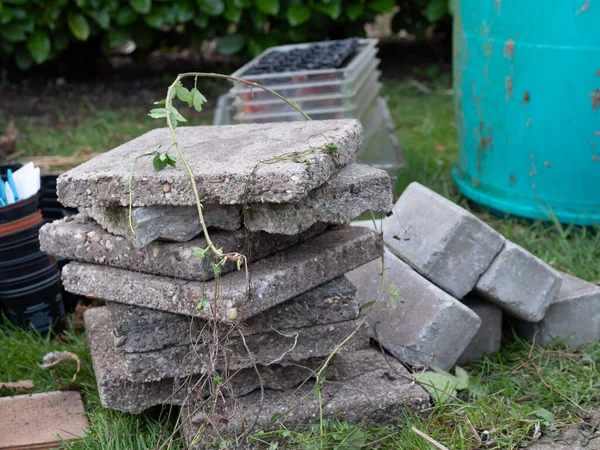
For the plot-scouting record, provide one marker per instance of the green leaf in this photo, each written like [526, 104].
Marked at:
[79, 26]
[242, 3]
[125, 16]
[13, 32]
[170, 160]
[158, 113]
[436, 9]
[211, 7]
[183, 93]
[101, 17]
[23, 59]
[201, 253]
[382, 6]
[184, 10]
[463, 378]
[6, 16]
[233, 43]
[353, 12]
[176, 116]
[259, 44]
[258, 19]
[201, 21]
[198, 99]
[544, 414]
[117, 36]
[333, 9]
[39, 46]
[270, 7]
[366, 305]
[155, 19]
[158, 163]
[438, 385]
[394, 296]
[232, 13]
[141, 6]
[297, 14]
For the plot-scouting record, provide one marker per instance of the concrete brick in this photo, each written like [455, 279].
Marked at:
[488, 338]
[120, 393]
[228, 163]
[78, 238]
[572, 317]
[425, 326]
[519, 283]
[367, 388]
[442, 241]
[170, 223]
[355, 189]
[139, 329]
[274, 280]
[288, 347]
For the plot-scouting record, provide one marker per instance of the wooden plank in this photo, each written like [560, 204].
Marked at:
[36, 421]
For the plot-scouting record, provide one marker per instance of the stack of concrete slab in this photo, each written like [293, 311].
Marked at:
[457, 277]
[174, 329]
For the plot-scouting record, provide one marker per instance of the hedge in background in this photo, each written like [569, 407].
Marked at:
[35, 31]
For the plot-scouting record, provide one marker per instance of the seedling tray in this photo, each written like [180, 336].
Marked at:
[365, 51]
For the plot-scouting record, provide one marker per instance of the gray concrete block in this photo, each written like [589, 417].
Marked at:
[367, 388]
[519, 283]
[572, 317]
[78, 238]
[442, 241]
[488, 338]
[355, 189]
[422, 325]
[274, 280]
[118, 392]
[273, 162]
[139, 329]
[170, 223]
[286, 347]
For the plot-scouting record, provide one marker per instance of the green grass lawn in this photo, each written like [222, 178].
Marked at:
[511, 393]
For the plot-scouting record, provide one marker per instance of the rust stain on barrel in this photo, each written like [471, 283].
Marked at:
[526, 98]
[509, 49]
[509, 87]
[595, 96]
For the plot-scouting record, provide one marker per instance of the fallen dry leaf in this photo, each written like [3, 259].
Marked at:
[53, 358]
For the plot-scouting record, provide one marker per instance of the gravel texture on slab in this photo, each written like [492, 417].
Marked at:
[273, 280]
[117, 391]
[232, 164]
[139, 329]
[355, 189]
[79, 238]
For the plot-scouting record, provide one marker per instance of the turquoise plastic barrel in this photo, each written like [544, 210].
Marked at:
[527, 102]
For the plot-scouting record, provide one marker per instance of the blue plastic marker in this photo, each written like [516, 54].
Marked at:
[11, 183]
[3, 200]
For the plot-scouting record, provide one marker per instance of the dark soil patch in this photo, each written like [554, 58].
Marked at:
[58, 91]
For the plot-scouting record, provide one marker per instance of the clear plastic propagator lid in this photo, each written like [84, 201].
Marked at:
[366, 49]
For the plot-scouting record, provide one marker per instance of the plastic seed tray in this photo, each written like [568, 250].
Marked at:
[311, 102]
[355, 110]
[380, 145]
[287, 65]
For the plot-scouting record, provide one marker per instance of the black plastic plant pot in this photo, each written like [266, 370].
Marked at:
[24, 266]
[35, 301]
[19, 210]
[4, 169]
[21, 244]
